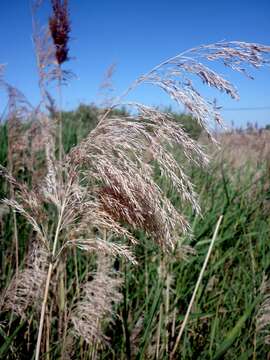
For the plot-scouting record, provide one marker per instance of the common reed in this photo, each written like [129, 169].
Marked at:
[59, 25]
[95, 305]
[106, 184]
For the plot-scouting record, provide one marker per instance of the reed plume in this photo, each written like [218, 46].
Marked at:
[59, 26]
[27, 288]
[174, 75]
[20, 112]
[95, 307]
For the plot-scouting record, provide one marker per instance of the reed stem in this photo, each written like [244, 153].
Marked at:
[48, 280]
[196, 288]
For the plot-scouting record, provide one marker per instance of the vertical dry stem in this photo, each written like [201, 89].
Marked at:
[44, 303]
[60, 120]
[48, 280]
[196, 288]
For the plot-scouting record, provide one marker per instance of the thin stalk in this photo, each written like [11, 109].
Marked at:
[47, 337]
[27, 334]
[16, 259]
[76, 270]
[48, 280]
[12, 192]
[62, 300]
[196, 288]
[146, 273]
[159, 330]
[16, 242]
[15, 233]
[60, 120]
[167, 308]
[44, 303]
[173, 322]
[125, 317]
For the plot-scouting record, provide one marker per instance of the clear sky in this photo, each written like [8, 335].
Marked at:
[136, 35]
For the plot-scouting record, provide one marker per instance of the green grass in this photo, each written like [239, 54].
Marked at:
[222, 324]
[156, 293]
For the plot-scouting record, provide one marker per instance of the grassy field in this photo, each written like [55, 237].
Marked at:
[226, 316]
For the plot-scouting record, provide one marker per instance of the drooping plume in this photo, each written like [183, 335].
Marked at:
[27, 288]
[96, 303]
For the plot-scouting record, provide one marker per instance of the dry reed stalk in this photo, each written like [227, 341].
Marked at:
[196, 288]
[59, 26]
[158, 335]
[51, 45]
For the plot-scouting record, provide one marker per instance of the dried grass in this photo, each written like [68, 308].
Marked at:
[27, 288]
[245, 149]
[95, 305]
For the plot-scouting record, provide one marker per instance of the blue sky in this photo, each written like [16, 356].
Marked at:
[136, 35]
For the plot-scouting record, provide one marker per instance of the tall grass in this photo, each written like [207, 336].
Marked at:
[106, 228]
[223, 317]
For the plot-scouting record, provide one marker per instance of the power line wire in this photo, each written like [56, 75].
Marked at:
[247, 108]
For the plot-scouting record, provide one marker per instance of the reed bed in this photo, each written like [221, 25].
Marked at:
[105, 240]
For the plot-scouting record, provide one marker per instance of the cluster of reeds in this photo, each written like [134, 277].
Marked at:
[95, 196]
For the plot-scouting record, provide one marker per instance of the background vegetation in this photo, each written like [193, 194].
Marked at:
[224, 320]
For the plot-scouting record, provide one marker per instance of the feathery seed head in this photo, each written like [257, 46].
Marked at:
[59, 25]
[27, 288]
[96, 303]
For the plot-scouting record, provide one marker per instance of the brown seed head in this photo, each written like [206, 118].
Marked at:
[59, 25]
